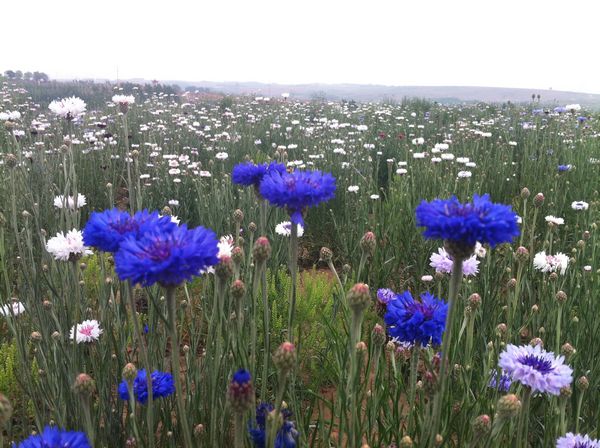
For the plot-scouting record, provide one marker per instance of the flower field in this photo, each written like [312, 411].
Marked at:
[177, 271]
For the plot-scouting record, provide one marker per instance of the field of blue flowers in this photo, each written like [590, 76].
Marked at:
[183, 271]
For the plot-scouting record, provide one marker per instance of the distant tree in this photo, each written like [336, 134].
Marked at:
[18, 74]
[28, 76]
[10, 74]
[538, 97]
[40, 77]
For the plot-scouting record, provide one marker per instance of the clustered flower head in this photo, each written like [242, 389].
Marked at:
[69, 201]
[297, 191]
[443, 262]
[166, 256]
[286, 435]
[67, 247]
[285, 229]
[551, 263]
[466, 224]
[68, 108]
[53, 437]
[248, 174]
[536, 368]
[162, 386]
[106, 230]
[123, 99]
[13, 309]
[86, 331]
[411, 320]
[571, 440]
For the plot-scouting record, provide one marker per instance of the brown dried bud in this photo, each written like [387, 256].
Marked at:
[508, 406]
[325, 254]
[582, 383]
[561, 297]
[538, 200]
[238, 216]
[525, 193]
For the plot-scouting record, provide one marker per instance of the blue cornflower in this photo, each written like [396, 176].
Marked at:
[168, 257]
[162, 386]
[563, 168]
[503, 385]
[385, 295]
[414, 321]
[297, 191]
[53, 437]
[571, 440]
[248, 174]
[536, 368]
[560, 109]
[286, 435]
[466, 224]
[106, 230]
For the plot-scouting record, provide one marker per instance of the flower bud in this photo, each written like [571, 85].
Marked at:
[567, 350]
[252, 227]
[525, 193]
[582, 383]
[285, 357]
[262, 249]
[378, 337]
[237, 255]
[238, 216]
[522, 254]
[535, 342]
[10, 160]
[508, 406]
[566, 392]
[361, 347]
[238, 289]
[6, 410]
[482, 425]
[36, 336]
[224, 269]
[84, 385]
[368, 243]
[561, 297]
[406, 442]
[474, 301]
[325, 254]
[538, 200]
[359, 297]
[129, 372]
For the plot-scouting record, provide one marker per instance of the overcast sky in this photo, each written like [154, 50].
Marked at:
[508, 43]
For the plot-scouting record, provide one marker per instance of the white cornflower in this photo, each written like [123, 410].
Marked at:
[123, 99]
[285, 229]
[573, 107]
[67, 247]
[353, 188]
[418, 141]
[225, 246]
[86, 331]
[480, 251]
[221, 155]
[68, 108]
[554, 220]
[401, 171]
[69, 202]
[174, 202]
[14, 309]
[579, 205]
[374, 197]
[10, 116]
[464, 174]
[551, 263]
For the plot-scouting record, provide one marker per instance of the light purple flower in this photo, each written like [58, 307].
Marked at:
[442, 262]
[385, 295]
[571, 440]
[536, 368]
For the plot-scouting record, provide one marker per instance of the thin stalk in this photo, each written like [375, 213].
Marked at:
[266, 330]
[438, 401]
[293, 273]
[176, 368]
[414, 364]
[144, 354]
[523, 428]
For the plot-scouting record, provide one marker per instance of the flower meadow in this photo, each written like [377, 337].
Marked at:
[184, 271]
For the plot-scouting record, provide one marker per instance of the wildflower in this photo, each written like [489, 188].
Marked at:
[167, 256]
[443, 262]
[68, 108]
[297, 191]
[162, 386]
[480, 251]
[14, 309]
[573, 107]
[536, 368]
[67, 247]
[286, 434]
[353, 188]
[241, 391]
[106, 230]
[69, 201]
[553, 220]
[563, 168]
[285, 229]
[221, 155]
[503, 384]
[463, 225]
[53, 437]
[414, 321]
[551, 263]
[579, 205]
[123, 99]
[464, 174]
[248, 174]
[571, 440]
[86, 331]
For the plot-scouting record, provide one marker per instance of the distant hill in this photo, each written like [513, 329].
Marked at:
[367, 92]
[375, 92]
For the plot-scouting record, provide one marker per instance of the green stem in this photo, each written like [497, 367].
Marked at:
[266, 330]
[455, 281]
[293, 272]
[176, 368]
[239, 430]
[414, 364]
[523, 428]
[144, 354]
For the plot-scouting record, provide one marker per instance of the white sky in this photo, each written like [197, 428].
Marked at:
[510, 43]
